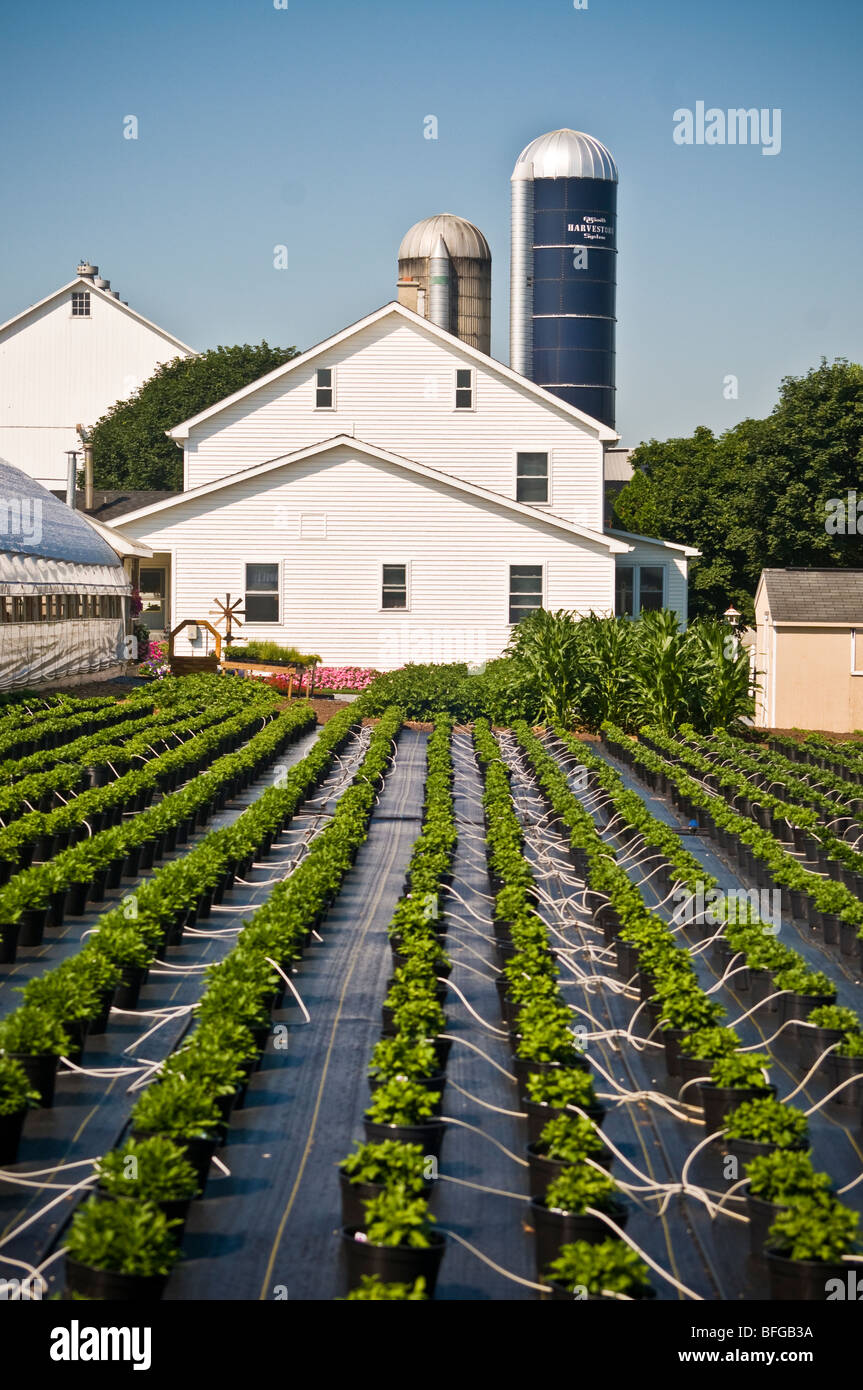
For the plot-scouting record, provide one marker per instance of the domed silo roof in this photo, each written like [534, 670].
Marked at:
[462, 238]
[565, 154]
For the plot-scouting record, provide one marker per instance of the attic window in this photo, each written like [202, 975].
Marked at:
[81, 304]
[324, 395]
[464, 388]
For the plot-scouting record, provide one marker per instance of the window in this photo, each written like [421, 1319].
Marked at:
[639, 589]
[525, 591]
[394, 588]
[324, 394]
[464, 388]
[531, 478]
[262, 594]
[81, 304]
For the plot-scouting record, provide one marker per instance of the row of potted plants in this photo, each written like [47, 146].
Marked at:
[825, 786]
[35, 896]
[387, 1229]
[816, 750]
[190, 1101]
[827, 906]
[66, 1004]
[27, 734]
[571, 1189]
[737, 1096]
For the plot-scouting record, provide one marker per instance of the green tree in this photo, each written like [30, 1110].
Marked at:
[130, 446]
[756, 496]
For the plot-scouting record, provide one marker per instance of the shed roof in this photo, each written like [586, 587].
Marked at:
[814, 596]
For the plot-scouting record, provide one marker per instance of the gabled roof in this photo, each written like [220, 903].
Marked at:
[828, 598]
[82, 283]
[394, 309]
[421, 470]
[120, 544]
[688, 550]
[111, 502]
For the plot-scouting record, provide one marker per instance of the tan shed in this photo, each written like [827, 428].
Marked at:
[809, 649]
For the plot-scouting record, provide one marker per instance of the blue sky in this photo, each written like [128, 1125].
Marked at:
[304, 127]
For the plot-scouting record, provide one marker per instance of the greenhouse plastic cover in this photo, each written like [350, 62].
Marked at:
[35, 522]
[34, 652]
[28, 574]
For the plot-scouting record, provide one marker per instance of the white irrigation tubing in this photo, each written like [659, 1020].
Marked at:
[624, 1096]
[481, 973]
[219, 1164]
[463, 1124]
[178, 1013]
[760, 1004]
[836, 1089]
[618, 1231]
[168, 967]
[101, 1071]
[754, 1047]
[487, 897]
[501, 1032]
[507, 1274]
[702, 1144]
[219, 932]
[486, 1104]
[43, 1211]
[291, 986]
[480, 1187]
[34, 1272]
[454, 1037]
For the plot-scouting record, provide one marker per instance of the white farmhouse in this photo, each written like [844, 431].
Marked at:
[394, 495]
[64, 362]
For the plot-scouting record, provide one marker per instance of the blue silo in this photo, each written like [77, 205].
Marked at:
[564, 269]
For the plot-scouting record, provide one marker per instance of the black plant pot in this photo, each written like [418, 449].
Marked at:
[355, 1194]
[11, 1127]
[801, 1280]
[556, 1228]
[57, 908]
[132, 862]
[111, 1286]
[718, 1101]
[671, 1037]
[747, 1149]
[97, 886]
[114, 872]
[147, 854]
[33, 922]
[429, 1135]
[542, 1170]
[41, 1071]
[100, 1022]
[76, 899]
[761, 1217]
[797, 1007]
[392, 1263]
[128, 991]
[428, 1083]
[9, 942]
[839, 1069]
[813, 1043]
[848, 939]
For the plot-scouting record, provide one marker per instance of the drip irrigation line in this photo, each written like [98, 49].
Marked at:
[480, 1187]
[501, 1032]
[463, 1124]
[487, 1105]
[507, 1274]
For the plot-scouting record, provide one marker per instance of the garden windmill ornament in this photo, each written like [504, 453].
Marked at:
[228, 614]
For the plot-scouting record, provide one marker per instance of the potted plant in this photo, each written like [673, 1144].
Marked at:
[807, 990]
[548, 1094]
[545, 1041]
[402, 1109]
[120, 1251]
[825, 1025]
[564, 1140]
[570, 1210]
[16, 1097]
[843, 1064]
[373, 1167]
[37, 1040]
[607, 1270]
[806, 1244]
[150, 1170]
[700, 1049]
[372, 1289]
[413, 1058]
[396, 1241]
[186, 1112]
[763, 1124]
[683, 1011]
[733, 1079]
[773, 1179]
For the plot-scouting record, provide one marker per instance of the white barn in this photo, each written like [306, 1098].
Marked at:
[393, 495]
[64, 362]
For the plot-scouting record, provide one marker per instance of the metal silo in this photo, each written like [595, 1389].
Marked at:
[564, 269]
[445, 274]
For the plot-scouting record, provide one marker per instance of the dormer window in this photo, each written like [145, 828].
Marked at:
[324, 389]
[80, 304]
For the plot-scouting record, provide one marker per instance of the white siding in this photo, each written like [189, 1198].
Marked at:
[57, 371]
[645, 552]
[395, 388]
[458, 550]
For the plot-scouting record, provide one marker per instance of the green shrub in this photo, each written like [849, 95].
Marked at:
[372, 1289]
[154, 1170]
[610, 1266]
[124, 1237]
[813, 1227]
